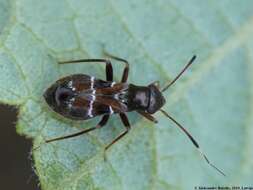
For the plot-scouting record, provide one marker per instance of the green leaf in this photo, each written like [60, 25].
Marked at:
[213, 100]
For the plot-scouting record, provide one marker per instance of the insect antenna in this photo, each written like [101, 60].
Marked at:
[177, 77]
[192, 140]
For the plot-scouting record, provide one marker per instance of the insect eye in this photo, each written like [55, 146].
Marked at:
[63, 95]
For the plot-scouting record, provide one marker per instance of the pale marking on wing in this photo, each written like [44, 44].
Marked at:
[70, 84]
[70, 102]
[116, 96]
[91, 105]
[113, 83]
[92, 82]
[111, 110]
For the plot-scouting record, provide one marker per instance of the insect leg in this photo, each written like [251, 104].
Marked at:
[148, 116]
[126, 123]
[102, 123]
[126, 69]
[109, 69]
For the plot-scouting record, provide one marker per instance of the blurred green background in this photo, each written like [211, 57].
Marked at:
[213, 100]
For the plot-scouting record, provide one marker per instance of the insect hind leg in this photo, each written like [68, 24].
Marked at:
[108, 68]
[102, 123]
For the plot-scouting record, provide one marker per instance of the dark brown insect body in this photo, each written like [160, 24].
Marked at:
[82, 97]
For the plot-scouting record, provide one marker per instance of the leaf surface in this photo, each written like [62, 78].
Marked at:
[213, 100]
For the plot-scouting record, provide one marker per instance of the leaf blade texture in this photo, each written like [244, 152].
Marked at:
[213, 100]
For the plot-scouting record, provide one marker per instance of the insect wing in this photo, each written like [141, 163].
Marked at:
[112, 97]
[82, 97]
[99, 101]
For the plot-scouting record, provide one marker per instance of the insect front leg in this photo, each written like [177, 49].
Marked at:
[148, 116]
[126, 69]
[108, 69]
[127, 125]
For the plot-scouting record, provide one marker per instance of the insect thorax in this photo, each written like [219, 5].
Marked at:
[138, 97]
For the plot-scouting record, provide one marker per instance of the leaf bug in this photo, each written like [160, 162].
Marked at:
[82, 97]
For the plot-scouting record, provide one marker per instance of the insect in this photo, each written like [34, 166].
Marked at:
[82, 97]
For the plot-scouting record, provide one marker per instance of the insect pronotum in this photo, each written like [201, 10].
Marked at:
[82, 97]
